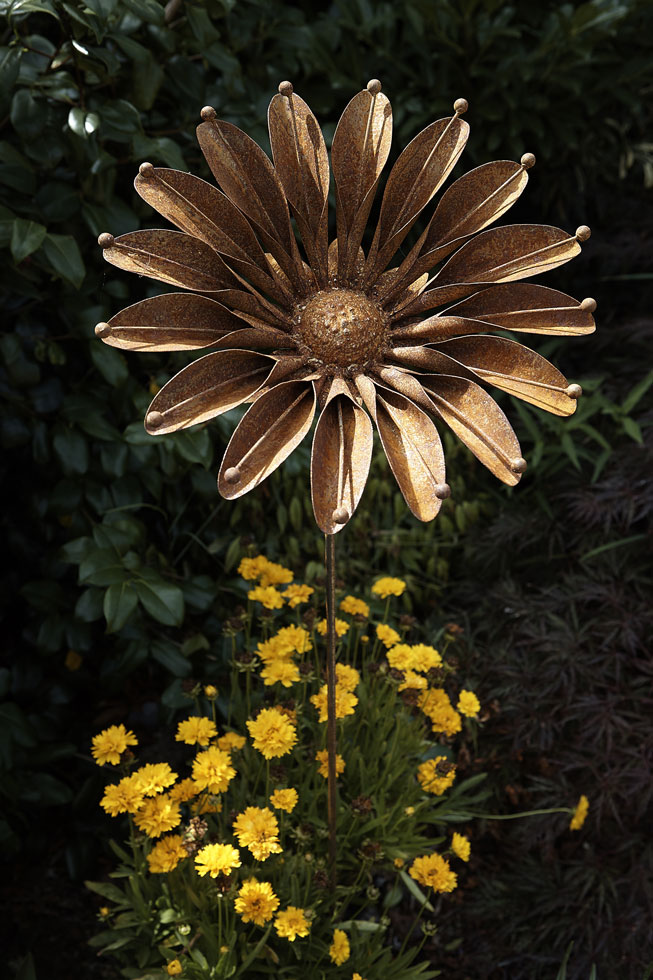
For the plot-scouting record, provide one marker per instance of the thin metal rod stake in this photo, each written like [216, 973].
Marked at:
[331, 698]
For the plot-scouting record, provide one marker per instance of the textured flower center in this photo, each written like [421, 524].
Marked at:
[343, 327]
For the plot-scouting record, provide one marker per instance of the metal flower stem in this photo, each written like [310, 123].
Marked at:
[331, 697]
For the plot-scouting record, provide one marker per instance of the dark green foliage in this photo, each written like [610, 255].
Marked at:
[119, 548]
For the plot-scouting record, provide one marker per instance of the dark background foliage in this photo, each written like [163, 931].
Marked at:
[120, 557]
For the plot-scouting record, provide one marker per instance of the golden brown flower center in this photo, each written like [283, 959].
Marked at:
[342, 327]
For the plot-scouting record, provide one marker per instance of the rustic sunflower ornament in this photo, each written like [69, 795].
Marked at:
[334, 329]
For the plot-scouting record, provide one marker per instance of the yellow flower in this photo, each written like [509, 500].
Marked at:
[273, 734]
[461, 847]
[436, 775]
[468, 704]
[347, 677]
[268, 596]
[73, 660]
[354, 607]
[110, 744]
[158, 815]
[425, 658]
[280, 672]
[212, 770]
[211, 691]
[385, 587]
[339, 949]
[274, 574]
[399, 863]
[297, 594]
[400, 657]
[292, 923]
[387, 635]
[124, 797]
[413, 681]
[436, 705]
[104, 912]
[166, 854]
[184, 791]
[196, 730]
[252, 568]
[323, 758]
[256, 902]
[296, 638]
[257, 829]
[231, 741]
[284, 799]
[155, 777]
[174, 968]
[433, 871]
[345, 702]
[357, 976]
[216, 859]
[580, 813]
[409, 810]
[341, 627]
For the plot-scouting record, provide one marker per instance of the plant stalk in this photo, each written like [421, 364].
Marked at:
[331, 699]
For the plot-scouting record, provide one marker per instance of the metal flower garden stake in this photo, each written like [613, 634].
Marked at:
[390, 337]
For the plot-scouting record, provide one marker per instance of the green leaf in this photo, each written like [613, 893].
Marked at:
[120, 601]
[415, 890]
[72, 449]
[26, 237]
[632, 429]
[26, 969]
[107, 890]
[163, 601]
[110, 363]
[63, 255]
[102, 567]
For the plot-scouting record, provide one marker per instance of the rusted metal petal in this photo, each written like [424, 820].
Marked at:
[250, 305]
[515, 369]
[203, 211]
[509, 252]
[301, 161]
[427, 360]
[172, 257]
[255, 338]
[435, 329]
[478, 421]
[206, 388]
[360, 148]
[249, 180]
[429, 299]
[172, 321]
[266, 435]
[414, 451]
[527, 307]
[357, 267]
[420, 170]
[473, 202]
[340, 459]
[497, 255]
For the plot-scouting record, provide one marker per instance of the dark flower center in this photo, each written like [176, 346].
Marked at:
[342, 327]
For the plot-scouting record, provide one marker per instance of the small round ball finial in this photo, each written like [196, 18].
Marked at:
[105, 240]
[153, 420]
[285, 88]
[460, 106]
[518, 465]
[528, 160]
[146, 170]
[442, 491]
[374, 86]
[583, 233]
[340, 515]
[102, 329]
[208, 112]
[574, 391]
[232, 475]
[588, 304]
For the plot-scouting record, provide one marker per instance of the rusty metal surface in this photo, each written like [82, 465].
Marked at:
[398, 340]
